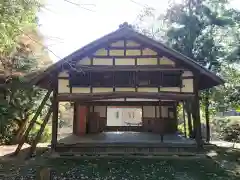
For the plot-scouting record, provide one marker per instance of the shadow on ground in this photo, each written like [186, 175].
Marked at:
[11, 166]
[228, 158]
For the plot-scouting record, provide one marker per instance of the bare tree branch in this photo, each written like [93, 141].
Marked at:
[80, 5]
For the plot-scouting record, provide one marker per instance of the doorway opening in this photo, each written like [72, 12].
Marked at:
[124, 116]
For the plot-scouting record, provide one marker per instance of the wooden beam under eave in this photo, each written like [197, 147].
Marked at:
[124, 57]
[104, 68]
[127, 103]
[113, 95]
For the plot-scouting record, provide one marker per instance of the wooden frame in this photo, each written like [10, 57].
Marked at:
[55, 108]
[153, 79]
[113, 95]
[125, 103]
[102, 68]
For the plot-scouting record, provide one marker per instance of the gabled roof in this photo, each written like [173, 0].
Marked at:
[207, 78]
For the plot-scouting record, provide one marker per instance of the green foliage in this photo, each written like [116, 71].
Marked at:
[17, 55]
[227, 96]
[46, 135]
[231, 133]
[15, 16]
[181, 129]
[227, 128]
[208, 32]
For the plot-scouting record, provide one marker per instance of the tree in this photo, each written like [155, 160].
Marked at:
[16, 16]
[206, 31]
[20, 50]
[227, 96]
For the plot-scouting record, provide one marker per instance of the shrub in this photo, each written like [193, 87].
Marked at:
[46, 135]
[231, 132]
[181, 129]
[227, 128]
[8, 131]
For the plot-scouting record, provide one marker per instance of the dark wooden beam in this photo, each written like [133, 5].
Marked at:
[127, 103]
[55, 107]
[103, 68]
[39, 134]
[126, 57]
[189, 118]
[196, 112]
[74, 118]
[113, 95]
[125, 48]
[32, 122]
[206, 102]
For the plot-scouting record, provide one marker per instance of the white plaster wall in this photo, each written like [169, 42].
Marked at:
[131, 115]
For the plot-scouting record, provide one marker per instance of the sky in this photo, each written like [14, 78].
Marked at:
[67, 27]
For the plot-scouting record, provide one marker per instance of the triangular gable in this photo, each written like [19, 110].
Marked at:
[208, 79]
[125, 52]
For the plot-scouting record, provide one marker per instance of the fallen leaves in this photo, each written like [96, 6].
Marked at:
[124, 169]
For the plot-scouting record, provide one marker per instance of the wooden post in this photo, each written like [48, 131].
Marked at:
[189, 117]
[196, 113]
[207, 116]
[32, 122]
[162, 122]
[39, 134]
[55, 107]
[45, 174]
[194, 120]
[75, 118]
[184, 120]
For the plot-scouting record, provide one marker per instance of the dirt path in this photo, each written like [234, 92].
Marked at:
[7, 150]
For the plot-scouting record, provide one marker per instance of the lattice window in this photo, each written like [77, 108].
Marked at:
[170, 79]
[102, 79]
[146, 79]
[79, 79]
[124, 79]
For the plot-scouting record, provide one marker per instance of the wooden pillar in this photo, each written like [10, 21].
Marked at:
[207, 115]
[196, 112]
[55, 108]
[163, 126]
[194, 120]
[189, 118]
[74, 118]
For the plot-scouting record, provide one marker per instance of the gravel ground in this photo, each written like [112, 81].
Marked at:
[118, 169]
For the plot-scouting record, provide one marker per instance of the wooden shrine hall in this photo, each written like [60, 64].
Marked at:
[126, 68]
